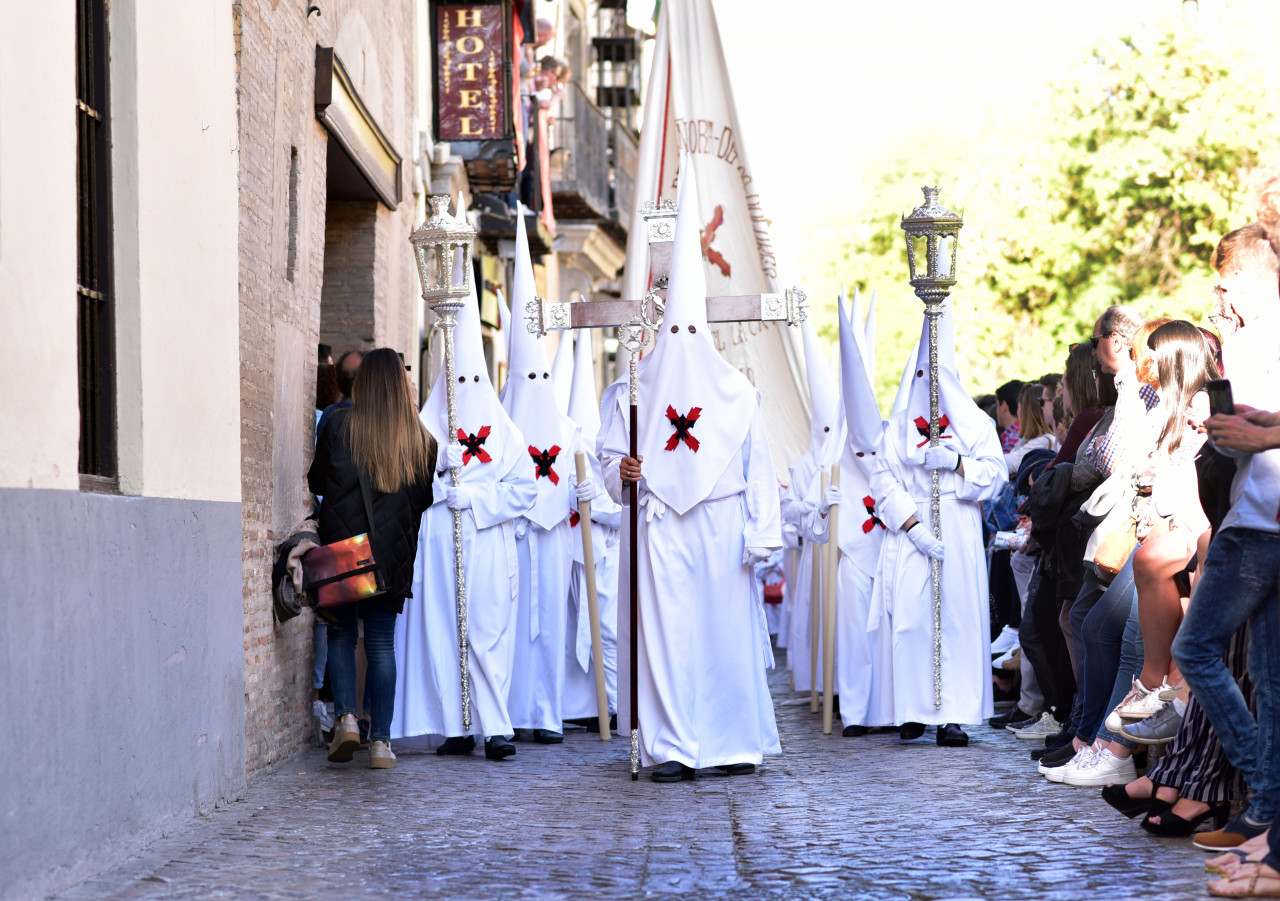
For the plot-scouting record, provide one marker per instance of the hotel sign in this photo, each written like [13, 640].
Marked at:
[471, 84]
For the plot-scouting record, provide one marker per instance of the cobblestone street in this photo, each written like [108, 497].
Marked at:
[831, 818]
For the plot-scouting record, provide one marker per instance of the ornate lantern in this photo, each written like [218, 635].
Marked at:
[933, 234]
[442, 246]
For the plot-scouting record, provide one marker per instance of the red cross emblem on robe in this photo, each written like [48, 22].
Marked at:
[474, 445]
[542, 461]
[683, 423]
[870, 503]
[922, 426]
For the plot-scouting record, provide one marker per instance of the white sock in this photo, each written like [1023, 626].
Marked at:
[1180, 706]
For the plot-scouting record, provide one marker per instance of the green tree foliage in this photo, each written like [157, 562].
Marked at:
[1116, 189]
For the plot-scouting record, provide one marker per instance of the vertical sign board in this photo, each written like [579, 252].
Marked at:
[471, 86]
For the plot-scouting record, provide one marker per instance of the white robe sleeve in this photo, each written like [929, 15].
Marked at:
[764, 517]
[493, 503]
[603, 509]
[895, 503]
[985, 473]
[613, 445]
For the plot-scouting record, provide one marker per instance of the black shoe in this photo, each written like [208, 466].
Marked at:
[737, 769]
[854, 731]
[908, 731]
[592, 724]
[521, 734]
[498, 748]
[1173, 825]
[1017, 714]
[1061, 738]
[547, 737]
[1037, 753]
[458, 744]
[673, 771]
[952, 736]
[1022, 721]
[363, 726]
[1057, 756]
[1117, 797]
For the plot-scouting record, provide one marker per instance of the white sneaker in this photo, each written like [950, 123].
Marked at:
[1056, 773]
[1104, 768]
[1005, 642]
[324, 716]
[1113, 722]
[999, 662]
[1041, 728]
[1143, 707]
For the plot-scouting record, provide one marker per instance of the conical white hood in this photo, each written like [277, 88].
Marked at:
[530, 399]
[824, 401]
[483, 425]
[855, 319]
[861, 530]
[584, 402]
[562, 371]
[869, 339]
[904, 383]
[964, 422]
[695, 409]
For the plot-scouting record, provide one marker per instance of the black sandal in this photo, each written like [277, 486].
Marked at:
[1175, 826]
[1117, 797]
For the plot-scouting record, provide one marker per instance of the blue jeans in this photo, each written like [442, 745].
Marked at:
[1102, 637]
[320, 639]
[1238, 585]
[380, 677]
[1131, 652]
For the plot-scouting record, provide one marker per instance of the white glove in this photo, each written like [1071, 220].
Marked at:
[585, 490]
[829, 500]
[924, 541]
[457, 498]
[941, 458]
[653, 507]
[753, 555]
[453, 455]
[522, 526]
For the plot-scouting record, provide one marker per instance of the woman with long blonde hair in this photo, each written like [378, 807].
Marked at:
[380, 439]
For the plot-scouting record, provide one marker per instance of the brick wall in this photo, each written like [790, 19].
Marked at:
[347, 313]
[282, 249]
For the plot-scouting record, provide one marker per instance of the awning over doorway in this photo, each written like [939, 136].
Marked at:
[368, 167]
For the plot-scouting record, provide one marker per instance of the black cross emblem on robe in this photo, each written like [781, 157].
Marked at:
[870, 503]
[922, 426]
[474, 446]
[542, 461]
[682, 423]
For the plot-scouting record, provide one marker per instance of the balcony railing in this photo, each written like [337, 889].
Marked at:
[580, 159]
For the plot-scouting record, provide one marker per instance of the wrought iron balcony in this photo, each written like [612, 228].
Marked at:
[580, 159]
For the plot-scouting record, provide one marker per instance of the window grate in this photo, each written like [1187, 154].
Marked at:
[95, 320]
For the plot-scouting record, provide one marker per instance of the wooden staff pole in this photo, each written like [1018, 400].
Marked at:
[593, 602]
[815, 614]
[829, 611]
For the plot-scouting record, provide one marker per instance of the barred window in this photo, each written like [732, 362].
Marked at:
[95, 319]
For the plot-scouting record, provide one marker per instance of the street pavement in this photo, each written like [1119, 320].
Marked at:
[833, 817]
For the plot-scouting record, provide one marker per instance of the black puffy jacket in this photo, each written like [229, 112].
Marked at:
[397, 517]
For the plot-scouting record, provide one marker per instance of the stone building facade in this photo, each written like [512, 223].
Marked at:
[322, 258]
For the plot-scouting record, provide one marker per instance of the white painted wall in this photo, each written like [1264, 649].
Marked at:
[175, 185]
[39, 401]
[175, 196]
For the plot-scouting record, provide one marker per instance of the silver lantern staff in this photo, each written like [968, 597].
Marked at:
[442, 246]
[929, 230]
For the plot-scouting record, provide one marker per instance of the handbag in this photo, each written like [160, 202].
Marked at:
[344, 572]
[1119, 538]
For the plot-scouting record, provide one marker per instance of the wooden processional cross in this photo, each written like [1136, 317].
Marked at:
[636, 321]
